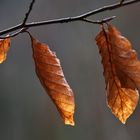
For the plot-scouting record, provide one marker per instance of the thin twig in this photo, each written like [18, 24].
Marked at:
[99, 21]
[69, 19]
[121, 2]
[85, 20]
[28, 12]
[14, 34]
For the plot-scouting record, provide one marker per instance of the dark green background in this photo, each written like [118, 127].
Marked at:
[26, 111]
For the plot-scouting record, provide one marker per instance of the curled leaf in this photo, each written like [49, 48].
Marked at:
[121, 72]
[4, 48]
[51, 76]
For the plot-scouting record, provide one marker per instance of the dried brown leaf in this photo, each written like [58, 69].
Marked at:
[4, 48]
[51, 76]
[121, 72]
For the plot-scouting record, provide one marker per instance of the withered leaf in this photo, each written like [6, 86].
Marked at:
[51, 76]
[4, 48]
[121, 72]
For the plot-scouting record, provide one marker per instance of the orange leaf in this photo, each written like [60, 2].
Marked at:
[121, 72]
[4, 48]
[51, 76]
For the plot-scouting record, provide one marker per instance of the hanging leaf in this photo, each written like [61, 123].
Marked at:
[51, 76]
[121, 72]
[4, 48]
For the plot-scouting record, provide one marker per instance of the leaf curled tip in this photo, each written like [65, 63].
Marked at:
[50, 74]
[121, 72]
[4, 48]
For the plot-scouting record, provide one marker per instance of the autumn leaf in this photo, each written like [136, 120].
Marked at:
[121, 72]
[4, 48]
[51, 76]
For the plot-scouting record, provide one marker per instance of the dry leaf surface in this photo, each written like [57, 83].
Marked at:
[4, 48]
[51, 76]
[121, 72]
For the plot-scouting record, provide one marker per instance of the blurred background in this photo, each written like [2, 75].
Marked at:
[26, 111]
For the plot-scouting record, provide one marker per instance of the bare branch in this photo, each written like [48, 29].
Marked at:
[29, 11]
[121, 2]
[99, 21]
[81, 17]
[14, 34]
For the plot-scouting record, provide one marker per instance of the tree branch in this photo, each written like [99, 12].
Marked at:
[28, 12]
[24, 26]
[99, 21]
[23, 23]
[121, 2]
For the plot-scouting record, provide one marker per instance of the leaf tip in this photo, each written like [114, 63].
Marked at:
[69, 121]
[122, 119]
[123, 122]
